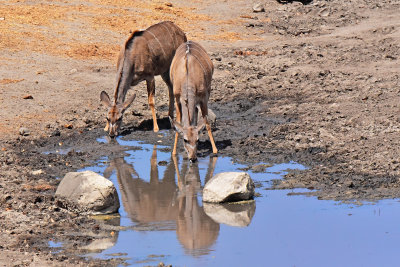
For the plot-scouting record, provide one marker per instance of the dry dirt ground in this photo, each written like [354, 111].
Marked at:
[318, 83]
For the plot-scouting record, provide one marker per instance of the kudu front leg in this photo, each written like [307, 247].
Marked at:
[151, 88]
[178, 119]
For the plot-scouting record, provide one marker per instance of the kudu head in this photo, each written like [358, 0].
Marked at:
[190, 137]
[115, 113]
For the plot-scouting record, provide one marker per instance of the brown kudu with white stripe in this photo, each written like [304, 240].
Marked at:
[191, 73]
[144, 55]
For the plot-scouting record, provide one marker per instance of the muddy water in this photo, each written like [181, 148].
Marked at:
[163, 218]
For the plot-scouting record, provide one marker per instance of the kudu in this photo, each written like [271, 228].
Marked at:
[144, 55]
[191, 73]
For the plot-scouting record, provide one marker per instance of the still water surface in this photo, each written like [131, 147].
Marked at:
[162, 209]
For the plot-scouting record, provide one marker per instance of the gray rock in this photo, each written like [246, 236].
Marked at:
[37, 172]
[233, 214]
[324, 12]
[24, 131]
[211, 117]
[228, 187]
[87, 192]
[258, 7]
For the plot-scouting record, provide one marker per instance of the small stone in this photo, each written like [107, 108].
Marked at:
[258, 7]
[56, 133]
[37, 172]
[211, 117]
[24, 131]
[229, 187]
[324, 12]
[162, 163]
[87, 120]
[73, 71]
[27, 97]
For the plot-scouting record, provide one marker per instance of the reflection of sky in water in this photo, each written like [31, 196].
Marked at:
[285, 230]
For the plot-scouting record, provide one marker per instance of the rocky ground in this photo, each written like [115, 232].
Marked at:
[317, 83]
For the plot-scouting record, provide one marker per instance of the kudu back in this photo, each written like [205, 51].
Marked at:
[144, 55]
[191, 74]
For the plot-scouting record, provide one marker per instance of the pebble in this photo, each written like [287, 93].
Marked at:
[37, 172]
[258, 7]
[324, 12]
[56, 133]
[162, 163]
[27, 97]
[24, 131]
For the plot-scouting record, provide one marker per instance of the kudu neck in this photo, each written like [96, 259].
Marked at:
[189, 107]
[124, 82]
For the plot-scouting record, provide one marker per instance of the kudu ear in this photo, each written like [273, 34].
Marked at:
[105, 99]
[176, 126]
[201, 125]
[128, 102]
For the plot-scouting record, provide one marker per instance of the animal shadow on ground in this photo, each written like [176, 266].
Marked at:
[145, 125]
[304, 2]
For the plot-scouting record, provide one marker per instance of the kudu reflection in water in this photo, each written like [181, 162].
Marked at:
[160, 202]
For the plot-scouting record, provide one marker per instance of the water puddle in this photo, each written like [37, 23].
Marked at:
[162, 218]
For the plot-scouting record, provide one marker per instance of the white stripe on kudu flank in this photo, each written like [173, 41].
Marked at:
[172, 37]
[158, 42]
[201, 65]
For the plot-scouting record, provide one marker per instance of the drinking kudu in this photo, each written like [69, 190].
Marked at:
[191, 74]
[144, 55]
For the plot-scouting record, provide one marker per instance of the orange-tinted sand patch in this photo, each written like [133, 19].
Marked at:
[53, 25]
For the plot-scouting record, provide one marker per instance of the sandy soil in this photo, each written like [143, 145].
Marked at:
[316, 83]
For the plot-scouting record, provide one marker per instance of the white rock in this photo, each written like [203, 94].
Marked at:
[324, 12]
[258, 7]
[211, 117]
[87, 192]
[233, 214]
[228, 187]
[24, 131]
[37, 172]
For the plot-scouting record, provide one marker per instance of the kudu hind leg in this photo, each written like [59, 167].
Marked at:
[151, 88]
[204, 113]
[166, 78]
